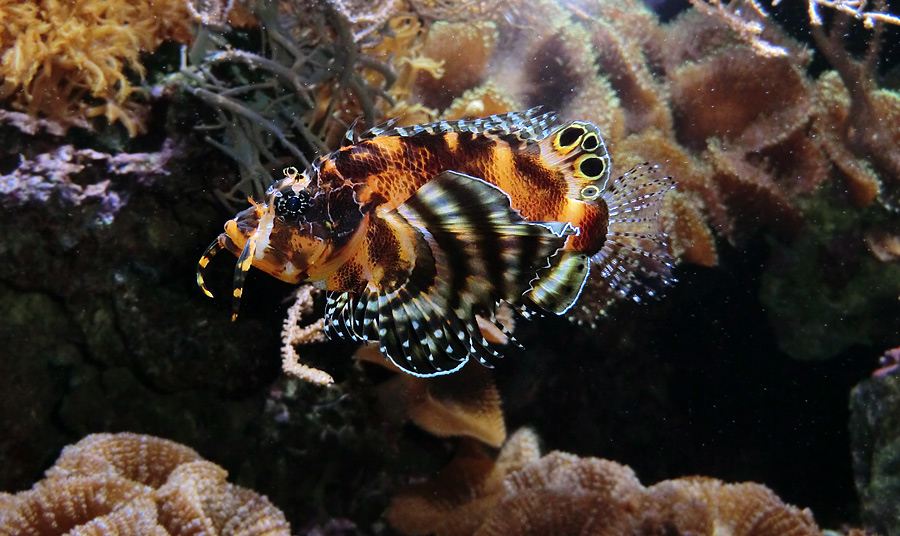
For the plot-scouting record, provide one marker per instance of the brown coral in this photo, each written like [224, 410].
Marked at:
[458, 499]
[463, 50]
[699, 505]
[562, 493]
[117, 484]
[70, 61]
[740, 98]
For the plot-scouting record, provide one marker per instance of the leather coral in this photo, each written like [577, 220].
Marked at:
[560, 493]
[118, 484]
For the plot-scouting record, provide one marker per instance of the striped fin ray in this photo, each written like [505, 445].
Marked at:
[409, 322]
[471, 251]
[634, 261]
[528, 125]
[491, 251]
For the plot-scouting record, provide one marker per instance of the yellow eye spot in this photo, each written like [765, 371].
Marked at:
[590, 142]
[590, 192]
[290, 172]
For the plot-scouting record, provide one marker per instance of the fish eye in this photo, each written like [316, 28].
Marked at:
[293, 205]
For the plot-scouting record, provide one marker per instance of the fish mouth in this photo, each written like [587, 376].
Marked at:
[256, 238]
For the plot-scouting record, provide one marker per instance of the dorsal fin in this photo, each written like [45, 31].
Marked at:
[578, 150]
[351, 137]
[472, 249]
[530, 124]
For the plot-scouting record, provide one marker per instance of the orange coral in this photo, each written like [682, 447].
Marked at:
[690, 239]
[118, 484]
[466, 403]
[69, 61]
[458, 499]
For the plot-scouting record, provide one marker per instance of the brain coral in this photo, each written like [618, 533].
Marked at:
[69, 61]
[116, 484]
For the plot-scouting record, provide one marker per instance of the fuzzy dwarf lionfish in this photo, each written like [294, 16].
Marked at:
[416, 230]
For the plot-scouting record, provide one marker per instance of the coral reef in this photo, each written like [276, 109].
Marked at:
[875, 441]
[560, 493]
[798, 180]
[135, 484]
[71, 62]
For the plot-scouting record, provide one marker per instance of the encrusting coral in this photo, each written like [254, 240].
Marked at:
[118, 484]
[560, 493]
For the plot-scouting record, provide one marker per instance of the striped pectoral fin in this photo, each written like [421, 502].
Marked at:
[415, 326]
[559, 285]
[491, 253]
[471, 249]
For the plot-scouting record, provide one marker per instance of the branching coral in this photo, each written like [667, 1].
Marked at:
[72, 61]
[560, 493]
[297, 331]
[275, 105]
[118, 484]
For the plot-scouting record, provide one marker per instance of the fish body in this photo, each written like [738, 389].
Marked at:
[418, 229]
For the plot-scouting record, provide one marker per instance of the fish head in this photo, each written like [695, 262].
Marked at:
[297, 235]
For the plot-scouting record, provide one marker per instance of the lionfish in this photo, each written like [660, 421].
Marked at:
[416, 230]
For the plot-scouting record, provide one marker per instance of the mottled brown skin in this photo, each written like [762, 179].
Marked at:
[388, 170]
[345, 239]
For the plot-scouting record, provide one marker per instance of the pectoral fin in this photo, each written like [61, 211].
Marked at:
[559, 285]
[472, 249]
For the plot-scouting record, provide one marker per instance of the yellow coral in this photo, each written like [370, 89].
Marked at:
[69, 61]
